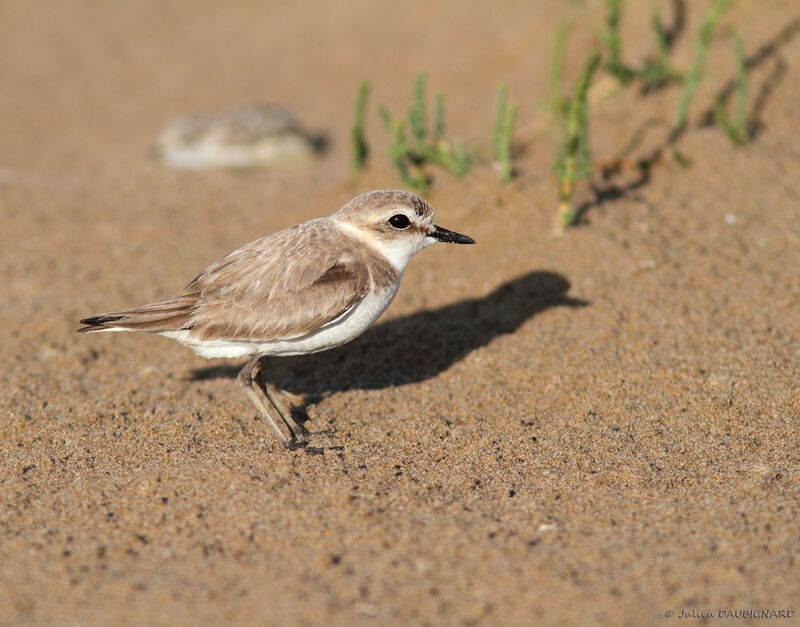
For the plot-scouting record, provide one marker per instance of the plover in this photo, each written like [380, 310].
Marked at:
[305, 289]
[251, 135]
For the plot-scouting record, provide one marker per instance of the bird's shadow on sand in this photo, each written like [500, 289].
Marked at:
[415, 347]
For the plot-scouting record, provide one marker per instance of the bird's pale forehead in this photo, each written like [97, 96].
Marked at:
[379, 201]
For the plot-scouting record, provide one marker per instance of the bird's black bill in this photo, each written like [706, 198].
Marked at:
[444, 235]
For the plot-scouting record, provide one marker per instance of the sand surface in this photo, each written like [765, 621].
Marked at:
[596, 428]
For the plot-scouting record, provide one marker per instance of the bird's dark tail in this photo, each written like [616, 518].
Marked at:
[170, 314]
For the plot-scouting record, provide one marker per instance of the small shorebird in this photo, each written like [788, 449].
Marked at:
[305, 289]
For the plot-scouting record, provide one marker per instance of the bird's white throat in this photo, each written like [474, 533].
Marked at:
[397, 252]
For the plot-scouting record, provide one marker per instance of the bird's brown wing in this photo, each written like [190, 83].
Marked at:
[277, 287]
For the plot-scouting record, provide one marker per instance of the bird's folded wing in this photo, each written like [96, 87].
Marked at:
[280, 287]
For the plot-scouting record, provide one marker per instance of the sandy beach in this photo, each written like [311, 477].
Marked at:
[598, 428]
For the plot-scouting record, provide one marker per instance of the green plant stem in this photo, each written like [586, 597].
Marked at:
[506, 167]
[502, 130]
[418, 116]
[694, 75]
[359, 149]
[410, 155]
[574, 160]
[735, 129]
[438, 119]
[662, 48]
[613, 41]
[558, 103]
[500, 106]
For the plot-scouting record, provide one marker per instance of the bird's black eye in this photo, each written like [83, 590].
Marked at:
[400, 221]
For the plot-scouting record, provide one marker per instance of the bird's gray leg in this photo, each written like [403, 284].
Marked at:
[272, 394]
[246, 381]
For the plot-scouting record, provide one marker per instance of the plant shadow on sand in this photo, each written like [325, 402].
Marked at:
[415, 347]
[610, 188]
